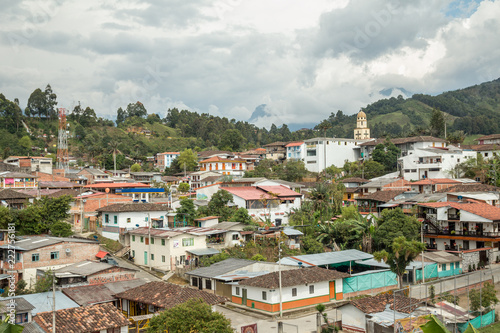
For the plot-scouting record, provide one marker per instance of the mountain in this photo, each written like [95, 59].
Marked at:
[394, 92]
[259, 112]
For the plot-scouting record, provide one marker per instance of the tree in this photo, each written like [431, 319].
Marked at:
[50, 102]
[232, 139]
[241, 215]
[394, 223]
[258, 257]
[5, 217]
[386, 154]
[218, 205]
[136, 167]
[45, 282]
[113, 146]
[483, 299]
[401, 253]
[36, 104]
[311, 245]
[26, 143]
[186, 211]
[61, 229]
[437, 123]
[192, 316]
[187, 160]
[136, 109]
[183, 187]
[294, 171]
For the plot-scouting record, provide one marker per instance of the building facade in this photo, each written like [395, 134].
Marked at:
[362, 131]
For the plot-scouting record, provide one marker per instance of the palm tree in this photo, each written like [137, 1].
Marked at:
[320, 196]
[113, 147]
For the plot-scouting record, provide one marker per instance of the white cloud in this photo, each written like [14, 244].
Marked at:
[226, 57]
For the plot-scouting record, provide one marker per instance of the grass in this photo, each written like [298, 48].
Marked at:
[111, 245]
[469, 140]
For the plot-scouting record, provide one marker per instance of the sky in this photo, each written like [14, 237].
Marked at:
[302, 59]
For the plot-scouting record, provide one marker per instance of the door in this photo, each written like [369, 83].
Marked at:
[244, 296]
[145, 257]
[332, 289]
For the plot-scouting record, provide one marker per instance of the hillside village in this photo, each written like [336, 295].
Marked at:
[314, 227]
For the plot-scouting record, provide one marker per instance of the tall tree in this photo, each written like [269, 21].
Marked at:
[394, 223]
[437, 123]
[401, 253]
[186, 212]
[218, 205]
[187, 160]
[50, 103]
[36, 104]
[386, 154]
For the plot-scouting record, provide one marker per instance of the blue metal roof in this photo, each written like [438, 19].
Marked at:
[326, 258]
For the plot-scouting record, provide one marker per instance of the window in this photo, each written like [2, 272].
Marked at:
[133, 253]
[294, 292]
[35, 257]
[54, 255]
[311, 152]
[444, 267]
[162, 242]
[457, 264]
[129, 220]
[208, 284]
[21, 318]
[187, 241]
[237, 290]
[142, 239]
[235, 237]
[194, 281]
[152, 256]
[106, 218]
[311, 289]
[115, 219]
[152, 240]
[133, 238]
[264, 295]
[162, 258]
[114, 330]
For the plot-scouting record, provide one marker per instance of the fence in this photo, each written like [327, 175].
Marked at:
[431, 271]
[366, 281]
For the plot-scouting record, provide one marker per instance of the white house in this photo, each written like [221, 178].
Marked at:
[321, 153]
[431, 162]
[407, 145]
[224, 166]
[300, 288]
[120, 217]
[272, 203]
[295, 151]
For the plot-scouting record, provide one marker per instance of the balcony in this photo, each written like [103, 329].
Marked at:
[464, 233]
[452, 217]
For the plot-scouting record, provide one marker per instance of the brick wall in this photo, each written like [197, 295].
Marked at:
[111, 277]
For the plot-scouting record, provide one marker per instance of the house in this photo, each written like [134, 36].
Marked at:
[357, 313]
[203, 155]
[41, 251]
[276, 151]
[384, 184]
[13, 199]
[486, 151]
[146, 177]
[94, 176]
[17, 180]
[377, 201]
[433, 162]
[493, 139]
[84, 209]
[41, 304]
[271, 203]
[218, 277]
[165, 249]
[295, 151]
[90, 272]
[171, 180]
[34, 163]
[86, 319]
[203, 178]
[407, 145]
[120, 217]
[352, 189]
[100, 293]
[23, 310]
[323, 152]
[225, 166]
[470, 229]
[51, 177]
[230, 236]
[445, 263]
[164, 160]
[207, 221]
[205, 192]
[431, 185]
[300, 288]
[153, 297]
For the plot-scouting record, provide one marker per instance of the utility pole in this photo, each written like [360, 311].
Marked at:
[279, 274]
[54, 302]
[149, 240]
[422, 240]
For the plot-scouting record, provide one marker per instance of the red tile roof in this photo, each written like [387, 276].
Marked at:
[477, 208]
[382, 196]
[435, 181]
[378, 303]
[167, 295]
[474, 187]
[280, 190]
[295, 144]
[488, 137]
[84, 319]
[248, 192]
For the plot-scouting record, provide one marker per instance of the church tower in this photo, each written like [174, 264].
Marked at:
[361, 132]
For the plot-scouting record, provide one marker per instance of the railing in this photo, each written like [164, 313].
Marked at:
[464, 233]
[453, 217]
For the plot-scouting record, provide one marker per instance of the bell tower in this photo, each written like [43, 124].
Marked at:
[361, 132]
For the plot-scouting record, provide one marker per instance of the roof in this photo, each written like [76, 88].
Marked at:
[295, 144]
[326, 258]
[221, 267]
[116, 185]
[11, 194]
[167, 295]
[27, 243]
[83, 319]
[474, 187]
[378, 303]
[22, 305]
[208, 153]
[101, 254]
[280, 190]
[133, 207]
[286, 183]
[477, 208]
[85, 268]
[382, 196]
[294, 277]
[292, 232]
[204, 252]
[207, 218]
[488, 137]
[94, 171]
[431, 181]
[441, 257]
[32, 327]
[100, 293]
[399, 141]
[39, 301]
[57, 184]
[228, 225]
[277, 143]
[248, 192]
[9, 174]
[354, 180]
[220, 159]
[486, 147]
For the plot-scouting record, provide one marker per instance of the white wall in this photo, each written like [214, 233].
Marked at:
[353, 317]
[336, 152]
[135, 218]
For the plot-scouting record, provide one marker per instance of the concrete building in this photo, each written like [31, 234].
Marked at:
[95, 176]
[46, 252]
[225, 166]
[17, 180]
[164, 160]
[295, 151]
[407, 145]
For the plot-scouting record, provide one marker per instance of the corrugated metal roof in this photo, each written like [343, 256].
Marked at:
[43, 301]
[326, 258]
[221, 267]
[292, 232]
[239, 275]
[203, 252]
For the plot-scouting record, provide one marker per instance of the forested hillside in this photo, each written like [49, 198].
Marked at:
[138, 133]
